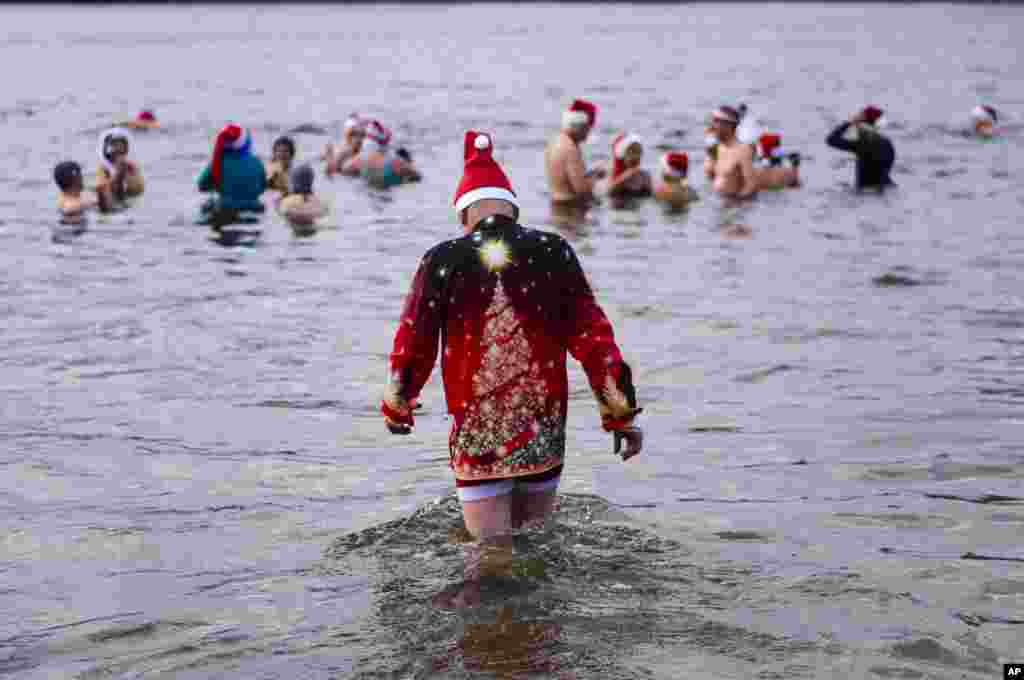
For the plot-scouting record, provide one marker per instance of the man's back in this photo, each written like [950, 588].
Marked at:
[560, 152]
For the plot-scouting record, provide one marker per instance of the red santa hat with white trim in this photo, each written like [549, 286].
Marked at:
[580, 112]
[482, 177]
[675, 164]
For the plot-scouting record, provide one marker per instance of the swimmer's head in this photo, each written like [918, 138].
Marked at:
[484, 188]
[146, 117]
[724, 121]
[115, 143]
[769, 147]
[627, 151]
[985, 119]
[283, 149]
[674, 165]
[68, 176]
[579, 119]
[301, 179]
[355, 131]
[871, 115]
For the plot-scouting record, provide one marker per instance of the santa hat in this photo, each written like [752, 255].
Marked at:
[146, 117]
[232, 138]
[378, 136]
[675, 164]
[105, 139]
[580, 112]
[981, 113]
[354, 120]
[619, 146]
[871, 114]
[769, 145]
[483, 177]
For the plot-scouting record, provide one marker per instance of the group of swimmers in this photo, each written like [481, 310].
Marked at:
[739, 165]
[235, 176]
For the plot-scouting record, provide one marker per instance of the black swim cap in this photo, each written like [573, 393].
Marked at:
[287, 141]
[65, 174]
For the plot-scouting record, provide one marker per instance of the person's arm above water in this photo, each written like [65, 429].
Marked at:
[837, 138]
[205, 181]
[415, 348]
[591, 341]
[581, 183]
[747, 176]
[617, 185]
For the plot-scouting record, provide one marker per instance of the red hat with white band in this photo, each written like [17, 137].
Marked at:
[482, 177]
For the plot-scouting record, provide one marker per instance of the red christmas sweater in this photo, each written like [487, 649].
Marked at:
[508, 303]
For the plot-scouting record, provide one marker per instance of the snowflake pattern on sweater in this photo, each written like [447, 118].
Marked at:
[508, 303]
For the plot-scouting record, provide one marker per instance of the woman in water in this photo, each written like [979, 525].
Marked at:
[117, 177]
[985, 119]
[672, 189]
[235, 175]
[73, 202]
[282, 155]
[144, 121]
[378, 164]
[352, 144]
[771, 173]
[301, 208]
[627, 178]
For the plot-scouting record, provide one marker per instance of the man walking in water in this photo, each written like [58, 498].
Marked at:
[732, 167]
[875, 153]
[507, 302]
[569, 181]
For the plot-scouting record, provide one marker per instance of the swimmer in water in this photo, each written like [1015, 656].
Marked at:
[985, 119]
[569, 181]
[628, 179]
[771, 173]
[672, 189]
[235, 175]
[352, 144]
[506, 303]
[146, 120]
[378, 164]
[73, 202]
[283, 153]
[301, 208]
[116, 176]
[875, 153]
[732, 167]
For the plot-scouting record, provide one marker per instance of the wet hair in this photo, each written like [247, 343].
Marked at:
[65, 174]
[732, 113]
[300, 179]
[404, 154]
[286, 141]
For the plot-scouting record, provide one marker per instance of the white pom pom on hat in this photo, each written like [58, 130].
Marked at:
[482, 142]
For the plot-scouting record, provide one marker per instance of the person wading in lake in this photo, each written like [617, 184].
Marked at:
[570, 183]
[507, 302]
[875, 153]
[732, 166]
[235, 175]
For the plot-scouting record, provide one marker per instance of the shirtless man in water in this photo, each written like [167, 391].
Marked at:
[568, 179]
[733, 167]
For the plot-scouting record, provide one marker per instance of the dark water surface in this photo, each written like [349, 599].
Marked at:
[194, 479]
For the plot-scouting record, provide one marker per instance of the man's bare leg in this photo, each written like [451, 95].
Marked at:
[489, 522]
[532, 509]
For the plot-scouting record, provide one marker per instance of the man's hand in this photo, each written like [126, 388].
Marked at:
[634, 438]
[397, 428]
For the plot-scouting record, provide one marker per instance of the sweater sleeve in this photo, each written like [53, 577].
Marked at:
[591, 341]
[415, 348]
[205, 181]
[837, 140]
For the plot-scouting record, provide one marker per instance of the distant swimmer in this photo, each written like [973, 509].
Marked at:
[732, 166]
[146, 120]
[985, 119]
[506, 303]
[117, 176]
[301, 208]
[378, 164]
[73, 202]
[282, 155]
[235, 175]
[568, 178]
[771, 171]
[874, 151]
[671, 187]
[628, 179]
[352, 144]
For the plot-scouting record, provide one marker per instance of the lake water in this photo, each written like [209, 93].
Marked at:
[196, 482]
